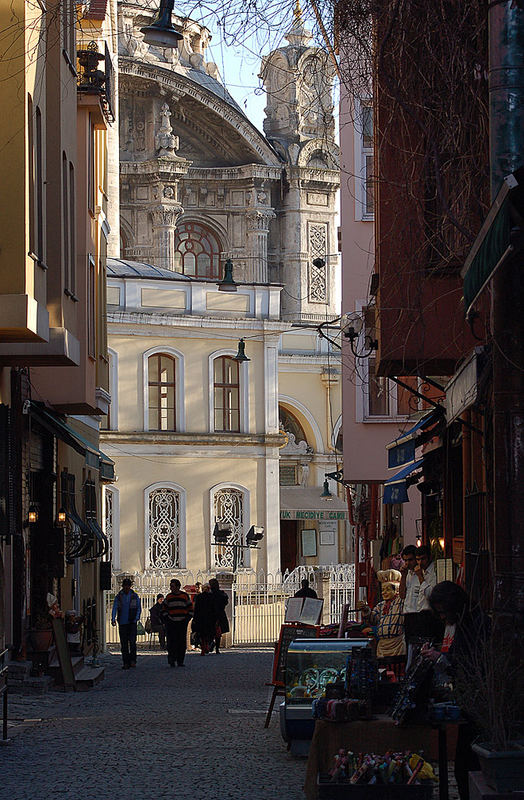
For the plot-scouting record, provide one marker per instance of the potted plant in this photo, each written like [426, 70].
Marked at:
[490, 688]
[41, 632]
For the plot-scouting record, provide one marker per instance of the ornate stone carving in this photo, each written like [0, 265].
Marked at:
[292, 447]
[165, 142]
[166, 216]
[258, 219]
[317, 273]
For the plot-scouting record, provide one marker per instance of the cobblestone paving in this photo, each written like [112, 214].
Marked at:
[154, 733]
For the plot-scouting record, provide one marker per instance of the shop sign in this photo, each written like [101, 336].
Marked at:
[318, 515]
[461, 391]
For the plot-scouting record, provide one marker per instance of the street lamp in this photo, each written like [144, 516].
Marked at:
[161, 31]
[227, 284]
[221, 535]
[241, 353]
[326, 494]
[352, 328]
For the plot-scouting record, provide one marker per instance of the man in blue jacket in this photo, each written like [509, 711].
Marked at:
[127, 609]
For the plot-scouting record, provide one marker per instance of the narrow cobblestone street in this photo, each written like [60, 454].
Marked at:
[154, 733]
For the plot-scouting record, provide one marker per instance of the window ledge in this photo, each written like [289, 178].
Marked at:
[386, 419]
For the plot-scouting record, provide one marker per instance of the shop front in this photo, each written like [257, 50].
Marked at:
[312, 527]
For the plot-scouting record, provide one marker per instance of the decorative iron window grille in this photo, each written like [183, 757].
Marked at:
[99, 543]
[164, 529]
[228, 512]
[109, 522]
[78, 535]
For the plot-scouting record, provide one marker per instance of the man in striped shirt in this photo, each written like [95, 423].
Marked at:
[177, 610]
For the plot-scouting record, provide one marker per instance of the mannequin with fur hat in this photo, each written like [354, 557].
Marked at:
[387, 616]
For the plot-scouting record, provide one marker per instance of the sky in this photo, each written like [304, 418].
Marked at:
[242, 33]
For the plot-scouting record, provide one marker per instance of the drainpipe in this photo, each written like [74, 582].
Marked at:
[506, 88]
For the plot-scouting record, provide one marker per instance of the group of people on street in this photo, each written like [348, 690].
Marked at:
[170, 617]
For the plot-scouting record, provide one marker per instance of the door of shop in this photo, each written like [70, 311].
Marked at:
[288, 544]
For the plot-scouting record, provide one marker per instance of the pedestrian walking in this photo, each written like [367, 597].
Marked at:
[157, 624]
[204, 620]
[220, 601]
[306, 590]
[126, 610]
[177, 609]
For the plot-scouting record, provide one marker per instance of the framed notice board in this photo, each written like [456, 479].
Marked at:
[287, 634]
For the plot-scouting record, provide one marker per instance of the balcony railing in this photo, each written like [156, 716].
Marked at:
[92, 79]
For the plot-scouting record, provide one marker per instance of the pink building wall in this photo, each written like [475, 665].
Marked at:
[365, 458]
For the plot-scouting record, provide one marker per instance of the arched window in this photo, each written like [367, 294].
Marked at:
[290, 424]
[197, 251]
[161, 389]
[164, 523]
[228, 512]
[226, 394]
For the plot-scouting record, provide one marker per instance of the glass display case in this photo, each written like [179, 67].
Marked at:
[310, 665]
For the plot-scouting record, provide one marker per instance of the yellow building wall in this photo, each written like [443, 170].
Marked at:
[196, 352]
[22, 73]
[197, 476]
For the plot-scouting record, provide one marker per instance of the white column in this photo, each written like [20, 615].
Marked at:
[271, 384]
[272, 523]
[164, 223]
[257, 235]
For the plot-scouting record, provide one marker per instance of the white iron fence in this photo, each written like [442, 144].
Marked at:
[257, 600]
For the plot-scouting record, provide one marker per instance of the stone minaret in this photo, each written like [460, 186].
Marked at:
[299, 123]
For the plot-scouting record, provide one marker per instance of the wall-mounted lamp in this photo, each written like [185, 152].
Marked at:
[442, 543]
[255, 534]
[227, 284]
[61, 516]
[326, 494]
[221, 535]
[241, 354]
[161, 31]
[352, 325]
[32, 514]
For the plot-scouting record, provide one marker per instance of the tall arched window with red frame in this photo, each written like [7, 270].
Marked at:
[226, 391]
[197, 251]
[162, 392]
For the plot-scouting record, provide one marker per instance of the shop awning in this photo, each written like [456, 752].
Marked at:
[396, 489]
[93, 456]
[490, 249]
[402, 450]
[305, 502]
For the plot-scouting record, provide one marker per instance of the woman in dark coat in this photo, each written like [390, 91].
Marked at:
[204, 619]
[220, 600]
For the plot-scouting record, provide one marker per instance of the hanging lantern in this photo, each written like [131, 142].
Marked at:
[241, 354]
[227, 284]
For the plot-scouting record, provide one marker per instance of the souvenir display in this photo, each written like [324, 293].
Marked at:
[392, 768]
